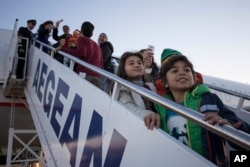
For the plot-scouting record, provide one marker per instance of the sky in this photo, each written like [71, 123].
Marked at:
[213, 34]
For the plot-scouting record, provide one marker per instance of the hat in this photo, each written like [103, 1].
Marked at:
[167, 53]
[32, 22]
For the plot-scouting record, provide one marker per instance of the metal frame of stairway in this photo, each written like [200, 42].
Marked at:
[27, 153]
[14, 89]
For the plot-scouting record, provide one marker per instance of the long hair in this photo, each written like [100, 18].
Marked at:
[42, 26]
[121, 68]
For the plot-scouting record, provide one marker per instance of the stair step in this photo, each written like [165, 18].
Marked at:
[15, 87]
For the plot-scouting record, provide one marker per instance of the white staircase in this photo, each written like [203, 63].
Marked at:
[80, 125]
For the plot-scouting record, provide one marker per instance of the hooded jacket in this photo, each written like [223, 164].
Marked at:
[107, 50]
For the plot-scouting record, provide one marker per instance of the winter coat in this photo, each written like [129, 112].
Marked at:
[135, 102]
[107, 50]
[204, 142]
[26, 33]
[89, 51]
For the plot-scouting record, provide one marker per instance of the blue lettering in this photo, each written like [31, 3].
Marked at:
[53, 106]
[71, 142]
[116, 149]
[47, 99]
[41, 81]
[62, 89]
[93, 143]
[36, 77]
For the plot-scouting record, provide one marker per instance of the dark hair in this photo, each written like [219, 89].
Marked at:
[48, 22]
[87, 29]
[42, 26]
[65, 26]
[153, 65]
[32, 22]
[170, 63]
[121, 68]
[142, 50]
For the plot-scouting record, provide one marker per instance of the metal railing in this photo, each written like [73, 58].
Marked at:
[226, 131]
[242, 97]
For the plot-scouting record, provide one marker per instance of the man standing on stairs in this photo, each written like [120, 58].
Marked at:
[25, 36]
[88, 51]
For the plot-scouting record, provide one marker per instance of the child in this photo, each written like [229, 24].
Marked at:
[131, 68]
[74, 38]
[166, 54]
[179, 80]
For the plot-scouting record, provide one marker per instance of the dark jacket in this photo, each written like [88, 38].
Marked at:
[224, 112]
[26, 33]
[58, 38]
[107, 50]
[43, 36]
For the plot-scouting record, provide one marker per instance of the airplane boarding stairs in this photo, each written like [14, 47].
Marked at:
[80, 125]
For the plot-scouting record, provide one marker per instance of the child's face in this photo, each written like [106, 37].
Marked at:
[134, 68]
[147, 58]
[179, 77]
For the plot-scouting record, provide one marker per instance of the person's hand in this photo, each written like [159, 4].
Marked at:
[213, 118]
[237, 125]
[152, 120]
[58, 23]
[58, 48]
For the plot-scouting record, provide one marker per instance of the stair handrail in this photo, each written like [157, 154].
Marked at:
[226, 131]
[11, 54]
[231, 92]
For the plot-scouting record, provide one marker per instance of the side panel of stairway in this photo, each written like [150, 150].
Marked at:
[78, 124]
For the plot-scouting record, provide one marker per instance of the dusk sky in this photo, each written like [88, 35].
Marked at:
[213, 34]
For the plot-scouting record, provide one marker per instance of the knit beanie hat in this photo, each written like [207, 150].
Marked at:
[167, 53]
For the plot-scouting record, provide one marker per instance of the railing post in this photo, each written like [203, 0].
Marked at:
[10, 145]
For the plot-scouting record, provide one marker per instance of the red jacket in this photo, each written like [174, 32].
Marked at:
[88, 51]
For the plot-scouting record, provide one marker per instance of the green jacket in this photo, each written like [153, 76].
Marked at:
[191, 100]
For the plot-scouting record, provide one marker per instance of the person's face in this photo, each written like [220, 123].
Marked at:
[102, 38]
[66, 30]
[179, 77]
[134, 68]
[147, 58]
[49, 26]
[31, 26]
